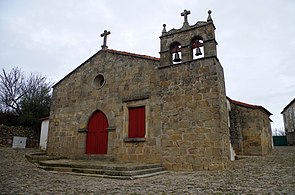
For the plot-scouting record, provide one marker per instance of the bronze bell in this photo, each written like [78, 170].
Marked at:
[176, 58]
[198, 52]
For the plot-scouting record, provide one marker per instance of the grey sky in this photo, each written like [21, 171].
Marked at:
[256, 40]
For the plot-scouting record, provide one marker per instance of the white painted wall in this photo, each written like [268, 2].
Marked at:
[232, 153]
[44, 134]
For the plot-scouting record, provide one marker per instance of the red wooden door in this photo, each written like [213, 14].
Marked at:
[97, 134]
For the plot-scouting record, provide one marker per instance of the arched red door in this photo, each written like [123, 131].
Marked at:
[97, 134]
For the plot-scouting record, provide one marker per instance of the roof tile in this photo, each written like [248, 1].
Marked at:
[133, 54]
[249, 105]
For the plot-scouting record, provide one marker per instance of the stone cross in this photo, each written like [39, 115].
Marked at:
[104, 35]
[185, 13]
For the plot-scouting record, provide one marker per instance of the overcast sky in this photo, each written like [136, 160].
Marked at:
[256, 39]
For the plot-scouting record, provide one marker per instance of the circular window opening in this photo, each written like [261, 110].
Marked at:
[99, 81]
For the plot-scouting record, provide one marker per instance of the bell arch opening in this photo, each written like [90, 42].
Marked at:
[197, 47]
[175, 52]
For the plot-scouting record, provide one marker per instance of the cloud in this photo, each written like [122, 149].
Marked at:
[256, 40]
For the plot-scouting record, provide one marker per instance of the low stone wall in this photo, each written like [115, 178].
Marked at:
[7, 133]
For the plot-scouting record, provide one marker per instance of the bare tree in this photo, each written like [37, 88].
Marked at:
[279, 132]
[14, 87]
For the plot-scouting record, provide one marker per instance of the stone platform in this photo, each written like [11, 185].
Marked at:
[103, 167]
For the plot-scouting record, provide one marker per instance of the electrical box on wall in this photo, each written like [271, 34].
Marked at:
[19, 142]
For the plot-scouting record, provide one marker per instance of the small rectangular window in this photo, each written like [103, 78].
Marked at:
[136, 122]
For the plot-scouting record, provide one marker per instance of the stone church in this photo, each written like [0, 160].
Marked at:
[136, 108]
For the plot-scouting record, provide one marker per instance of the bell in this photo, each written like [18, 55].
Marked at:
[198, 52]
[176, 58]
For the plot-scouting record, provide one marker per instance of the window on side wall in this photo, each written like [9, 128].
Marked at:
[136, 127]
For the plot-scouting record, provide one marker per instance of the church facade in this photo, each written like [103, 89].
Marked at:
[136, 108]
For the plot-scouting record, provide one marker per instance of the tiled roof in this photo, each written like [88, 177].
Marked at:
[133, 54]
[249, 105]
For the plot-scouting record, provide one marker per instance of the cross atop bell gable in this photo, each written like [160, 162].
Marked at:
[185, 13]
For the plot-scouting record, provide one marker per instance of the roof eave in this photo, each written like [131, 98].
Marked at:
[286, 107]
[249, 105]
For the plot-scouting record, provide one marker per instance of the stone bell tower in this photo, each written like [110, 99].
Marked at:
[194, 116]
[183, 41]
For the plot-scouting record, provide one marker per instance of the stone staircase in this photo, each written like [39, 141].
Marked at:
[36, 157]
[98, 167]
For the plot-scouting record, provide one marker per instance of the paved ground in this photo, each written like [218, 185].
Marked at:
[274, 174]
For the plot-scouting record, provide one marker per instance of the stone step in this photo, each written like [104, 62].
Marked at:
[100, 166]
[239, 157]
[37, 157]
[115, 177]
[129, 173]
[104, 171]
[95, 157]
[97, 165]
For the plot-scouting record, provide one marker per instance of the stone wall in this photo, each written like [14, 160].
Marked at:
[250, 130]
[289, 122]
[290, 138]
[7, 133]
[194, 116]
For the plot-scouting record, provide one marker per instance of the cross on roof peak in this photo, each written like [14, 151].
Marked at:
[185, 13]
[104, 35]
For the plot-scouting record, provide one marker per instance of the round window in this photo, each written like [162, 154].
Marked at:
[99, 81]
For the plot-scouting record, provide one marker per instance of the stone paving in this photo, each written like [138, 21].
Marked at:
[273, 174]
